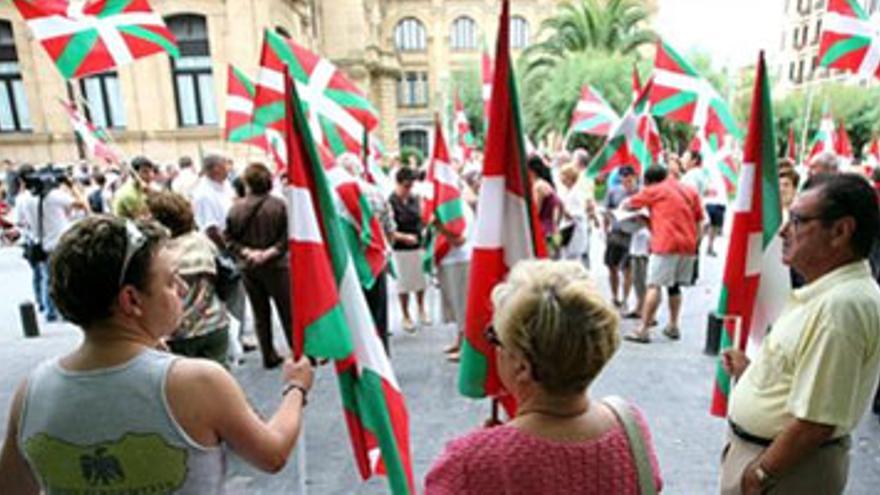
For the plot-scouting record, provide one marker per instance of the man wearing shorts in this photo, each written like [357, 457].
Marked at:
[676, 214]
[618, 237]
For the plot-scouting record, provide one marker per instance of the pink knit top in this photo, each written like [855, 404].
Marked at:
[505, 460]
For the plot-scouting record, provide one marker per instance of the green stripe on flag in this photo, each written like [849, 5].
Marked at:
[721, 376]
[842, 48]
[450, 210]
[361, 266]
[726, 118]
[285, 53]
[269, 114]
[364, 397]
[473, 372]
[156, 39]
[770, 199]
[673, 103]
[245, 133]
[590, 123]
[678, 59]
[857, 8]
[334, 140]
[243, 79]
[328, 335]
[113, 7]
[605, 154]
[349, 99]
[78, 48]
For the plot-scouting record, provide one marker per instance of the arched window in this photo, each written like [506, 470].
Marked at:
[464, 34]
[519, 33]
[14, 113]
[193, 79]
[409, 35]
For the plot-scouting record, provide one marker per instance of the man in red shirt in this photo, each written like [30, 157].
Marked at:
[675, 218]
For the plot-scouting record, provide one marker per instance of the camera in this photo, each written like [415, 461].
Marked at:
[40, 182]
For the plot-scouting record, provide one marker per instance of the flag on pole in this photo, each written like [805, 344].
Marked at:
[756, 283]
[636, 83]
[873, 157]
[487, 75]
[333, 320]
[633, 141]
[336, 109]
[373, 172]
[842, 144]
[446, 215]
[850, 40]
[592, 114]
[95, 36]
[96, 141]
[507, 227]
[718, 162]
[464, 140]
[240, 125]
[682, 95]
[824, 140]
[791, 150]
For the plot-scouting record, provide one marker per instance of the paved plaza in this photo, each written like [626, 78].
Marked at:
[670, 381]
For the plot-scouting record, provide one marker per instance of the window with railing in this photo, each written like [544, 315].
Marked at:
[14, 113]
[412, 89]
[192, 72]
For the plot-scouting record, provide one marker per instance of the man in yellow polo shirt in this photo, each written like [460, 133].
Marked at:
[793, 408]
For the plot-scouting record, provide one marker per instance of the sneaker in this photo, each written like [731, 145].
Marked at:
[672, 332]
[408, 325]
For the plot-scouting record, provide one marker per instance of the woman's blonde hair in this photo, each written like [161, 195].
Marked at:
[569, 171]
[552, 312]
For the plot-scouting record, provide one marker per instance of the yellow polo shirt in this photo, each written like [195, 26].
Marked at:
[820, 362]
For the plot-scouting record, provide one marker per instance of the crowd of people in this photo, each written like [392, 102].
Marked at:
[161, 259]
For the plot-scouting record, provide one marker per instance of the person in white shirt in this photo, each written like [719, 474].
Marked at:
[42, 211]
[186, 179]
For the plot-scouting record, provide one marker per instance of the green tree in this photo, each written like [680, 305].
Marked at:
[611, 26]
[469, 85]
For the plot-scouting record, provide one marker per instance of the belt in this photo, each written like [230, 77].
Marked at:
[765, 442]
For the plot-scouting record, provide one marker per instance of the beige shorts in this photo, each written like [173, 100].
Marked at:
[666, 270]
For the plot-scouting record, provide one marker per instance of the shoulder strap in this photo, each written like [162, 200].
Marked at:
[251, 215]
[637, 447]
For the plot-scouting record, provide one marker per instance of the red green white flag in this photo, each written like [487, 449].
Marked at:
[842, 144]
[486, 71]
[682, 95]
[873, 157]
[446, 215]
[850, 40]
[240, 125]
[633, 141]
[592, 114]
[96, 36]
[332, 318]
[824, 140]
[95, 140]
[507, 228]
[464, 140]
[756, 283]
[719, 163]
[337, 111]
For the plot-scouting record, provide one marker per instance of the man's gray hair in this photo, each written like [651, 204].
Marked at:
[825, 162]
[211, 160]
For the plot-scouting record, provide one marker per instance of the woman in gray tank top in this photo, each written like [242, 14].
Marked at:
[118, 416]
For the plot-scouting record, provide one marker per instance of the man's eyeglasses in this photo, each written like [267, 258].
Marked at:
[797, 220]
[135, 239]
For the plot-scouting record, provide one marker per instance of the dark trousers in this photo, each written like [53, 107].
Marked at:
[377, 300]
[263, 285]
[209, 346]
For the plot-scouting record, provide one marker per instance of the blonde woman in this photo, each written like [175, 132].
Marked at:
[554, 333]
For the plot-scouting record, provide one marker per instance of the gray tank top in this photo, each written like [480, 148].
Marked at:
[111, 431]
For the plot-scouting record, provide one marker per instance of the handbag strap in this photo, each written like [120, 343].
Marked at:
[251, 215]
[637, 448]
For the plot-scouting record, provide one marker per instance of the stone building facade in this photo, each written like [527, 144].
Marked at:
[797, 59]
[402, 53]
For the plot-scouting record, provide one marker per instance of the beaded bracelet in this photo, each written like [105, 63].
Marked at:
[296, 386]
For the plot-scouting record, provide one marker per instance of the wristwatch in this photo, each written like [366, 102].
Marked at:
[764, 477]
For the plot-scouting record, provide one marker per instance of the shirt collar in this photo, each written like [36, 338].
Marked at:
[856, 269]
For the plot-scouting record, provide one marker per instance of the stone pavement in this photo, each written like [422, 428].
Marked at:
[670, 381]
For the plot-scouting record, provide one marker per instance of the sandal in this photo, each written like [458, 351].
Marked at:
[672, 332]
[452, 348]
[637, 338]
[453, 357]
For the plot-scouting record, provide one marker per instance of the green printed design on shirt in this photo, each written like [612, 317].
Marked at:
[136, 463]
